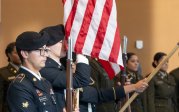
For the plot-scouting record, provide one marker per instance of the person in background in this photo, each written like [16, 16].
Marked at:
[29, 91]
[101, 81]
[161, 95]
[133, 75]
[8, 73]
[92, 95]
[54, 71]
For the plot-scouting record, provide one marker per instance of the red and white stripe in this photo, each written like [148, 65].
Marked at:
[92, 25]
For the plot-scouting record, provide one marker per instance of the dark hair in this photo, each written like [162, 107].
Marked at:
[157, 57]
[9, 49]
[129, 55]
[19, 54]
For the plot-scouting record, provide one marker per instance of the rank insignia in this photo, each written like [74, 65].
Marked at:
[15, 71]
[51, 91]
[39, 93]
[11, 78]
[34, 79]
[25, 104]
[159, 82]
[43, 99]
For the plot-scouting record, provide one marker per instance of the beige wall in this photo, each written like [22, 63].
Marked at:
[0, 11]
[156, 22]
[23, 15]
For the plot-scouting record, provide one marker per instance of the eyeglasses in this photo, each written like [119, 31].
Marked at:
[43, 51]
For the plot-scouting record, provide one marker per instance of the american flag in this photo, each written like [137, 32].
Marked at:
[92, 25]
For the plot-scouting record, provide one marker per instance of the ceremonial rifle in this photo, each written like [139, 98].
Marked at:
[69, 77]
[123, 75]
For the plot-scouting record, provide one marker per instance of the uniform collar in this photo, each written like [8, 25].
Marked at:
[12, 69]
[58, 62]
[15, 66]
[52, 63]
[38, 84]
[162, 74]
[38, 76]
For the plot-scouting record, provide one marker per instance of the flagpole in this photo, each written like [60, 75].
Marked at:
[69, 77]
[150, 77]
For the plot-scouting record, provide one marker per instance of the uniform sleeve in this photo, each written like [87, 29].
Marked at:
[174, 99]
[172, 73]
[175, 74]
[150, 95]
[174, 96]
[20, 99]
[57, 78]
[99, 75]
[92, 95]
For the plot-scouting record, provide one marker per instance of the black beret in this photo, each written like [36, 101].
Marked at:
[56, 34]
[30, 40]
